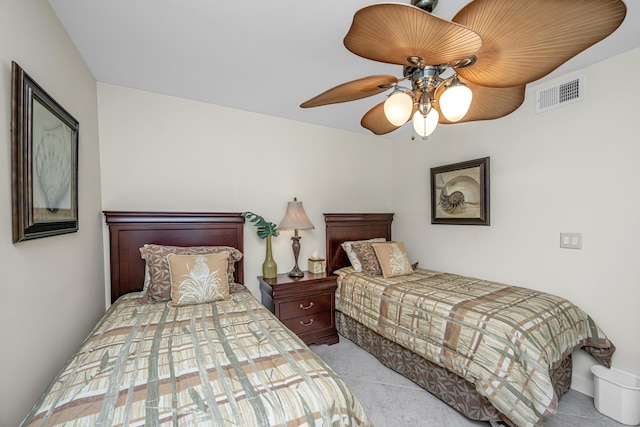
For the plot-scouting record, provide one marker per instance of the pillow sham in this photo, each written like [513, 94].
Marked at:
[353, 258]
[393, 259]
[196, 279]
[155, 256]
[367, 257]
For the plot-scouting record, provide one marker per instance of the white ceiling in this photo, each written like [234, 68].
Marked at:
[261, 56]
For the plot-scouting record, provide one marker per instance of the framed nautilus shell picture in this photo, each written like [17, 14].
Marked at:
[44, 162]
[460, 193]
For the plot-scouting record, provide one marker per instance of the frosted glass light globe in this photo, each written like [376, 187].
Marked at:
[455, 101]
[424, 126]
[398, 107]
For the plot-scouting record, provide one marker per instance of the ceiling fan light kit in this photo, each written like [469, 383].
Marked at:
[456, 99]
[398, 106]
[424, 125]
[474, 67]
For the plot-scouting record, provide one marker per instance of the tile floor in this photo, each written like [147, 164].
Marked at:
[392, 400]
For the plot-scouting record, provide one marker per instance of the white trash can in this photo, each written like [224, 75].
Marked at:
[617, 394]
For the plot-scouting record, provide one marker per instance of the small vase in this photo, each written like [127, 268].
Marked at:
[269, 266]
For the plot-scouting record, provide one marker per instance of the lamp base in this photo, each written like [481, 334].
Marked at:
[296, 272]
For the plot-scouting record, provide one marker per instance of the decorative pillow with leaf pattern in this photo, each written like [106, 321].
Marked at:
[393, 259]
[367, 257]
[196, 279]
[353, 258]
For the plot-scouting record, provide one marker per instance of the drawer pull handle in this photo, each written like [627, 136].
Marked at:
[306, 307]
[309, 323]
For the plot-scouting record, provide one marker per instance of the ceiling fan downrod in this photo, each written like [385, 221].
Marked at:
[426, 5]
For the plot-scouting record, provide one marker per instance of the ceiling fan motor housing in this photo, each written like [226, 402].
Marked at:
[426, 78]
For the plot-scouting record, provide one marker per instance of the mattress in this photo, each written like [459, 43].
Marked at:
[505, 340]
[223, 363]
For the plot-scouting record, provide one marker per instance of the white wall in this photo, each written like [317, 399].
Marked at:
[171, 154]
[52, 287]
[571, 169]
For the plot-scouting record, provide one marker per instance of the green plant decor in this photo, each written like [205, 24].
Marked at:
[266, 230]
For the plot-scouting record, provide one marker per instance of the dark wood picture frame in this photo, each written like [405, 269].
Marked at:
[460, 193]
[44, 162]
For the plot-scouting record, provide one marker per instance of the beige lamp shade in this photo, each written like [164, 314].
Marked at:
[295, 218]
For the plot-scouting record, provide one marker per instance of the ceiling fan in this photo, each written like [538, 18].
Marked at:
[474, 67]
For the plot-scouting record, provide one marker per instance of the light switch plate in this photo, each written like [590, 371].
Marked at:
[571, 240]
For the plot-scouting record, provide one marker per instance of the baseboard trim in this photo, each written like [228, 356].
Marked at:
[583, 385]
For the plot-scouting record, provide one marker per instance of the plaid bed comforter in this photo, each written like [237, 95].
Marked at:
[224, 363]
[503, 339]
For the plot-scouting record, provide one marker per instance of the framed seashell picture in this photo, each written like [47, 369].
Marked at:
[44, 162]
[460, 193]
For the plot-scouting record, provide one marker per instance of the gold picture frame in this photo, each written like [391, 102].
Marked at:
[44, 162]
[460, 193]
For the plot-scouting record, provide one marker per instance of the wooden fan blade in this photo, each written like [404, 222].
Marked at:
[488, 102]
[350, 91]
[376, 121]
[390, 32]
[525, 40]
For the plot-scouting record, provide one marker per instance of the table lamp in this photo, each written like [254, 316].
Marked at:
[295, 219]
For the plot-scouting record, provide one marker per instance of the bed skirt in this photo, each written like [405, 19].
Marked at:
[445, 385]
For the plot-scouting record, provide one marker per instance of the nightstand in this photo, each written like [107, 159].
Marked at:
[305, 305]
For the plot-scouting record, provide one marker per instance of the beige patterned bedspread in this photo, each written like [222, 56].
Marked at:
[504, 339]
[224, 363]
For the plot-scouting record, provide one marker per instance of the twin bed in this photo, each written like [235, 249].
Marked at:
[231, 362]
[493, 352]
[227, 362]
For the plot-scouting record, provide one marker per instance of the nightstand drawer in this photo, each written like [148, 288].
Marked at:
[305, 306]
[313, 322]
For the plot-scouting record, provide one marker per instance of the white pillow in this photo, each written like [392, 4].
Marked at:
[147, 279]
[353, 258]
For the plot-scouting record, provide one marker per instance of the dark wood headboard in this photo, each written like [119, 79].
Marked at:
[129, 231]
[356, 226]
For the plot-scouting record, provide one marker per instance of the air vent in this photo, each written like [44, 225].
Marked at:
[560, 94]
